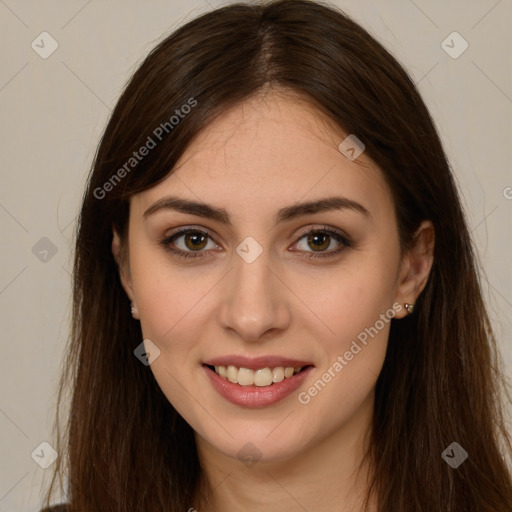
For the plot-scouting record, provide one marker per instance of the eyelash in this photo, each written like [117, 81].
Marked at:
[338, 236]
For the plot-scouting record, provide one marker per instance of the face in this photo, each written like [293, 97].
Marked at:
[258, 282]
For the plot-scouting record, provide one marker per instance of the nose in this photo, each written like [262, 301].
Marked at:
[254, 304]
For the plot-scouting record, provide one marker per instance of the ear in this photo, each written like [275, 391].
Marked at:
[415, 267]
[124, 270]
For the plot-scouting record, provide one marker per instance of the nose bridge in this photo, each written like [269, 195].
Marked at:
[252, 303]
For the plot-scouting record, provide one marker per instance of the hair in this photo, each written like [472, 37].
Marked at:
[124, 447]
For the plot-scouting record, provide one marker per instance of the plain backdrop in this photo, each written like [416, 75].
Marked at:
[54, 110]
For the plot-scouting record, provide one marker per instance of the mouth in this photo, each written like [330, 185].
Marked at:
[260, 377]
[256, 383]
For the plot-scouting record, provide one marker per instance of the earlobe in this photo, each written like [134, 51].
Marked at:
[416, 267]
[134, 311]
[124, 270]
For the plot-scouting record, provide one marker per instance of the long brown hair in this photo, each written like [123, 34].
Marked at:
[125, 448]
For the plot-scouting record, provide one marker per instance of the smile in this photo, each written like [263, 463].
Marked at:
[256, 382]
[261, 377]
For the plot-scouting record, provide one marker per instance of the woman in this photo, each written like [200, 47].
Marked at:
[276, 298]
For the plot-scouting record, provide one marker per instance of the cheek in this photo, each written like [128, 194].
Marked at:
[352, 298]
[358, 312]
[164, 295]
[175, 305]
[361, 318]
[172, 304]
[357, 308]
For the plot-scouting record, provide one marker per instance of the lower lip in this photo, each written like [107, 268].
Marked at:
[256, 396]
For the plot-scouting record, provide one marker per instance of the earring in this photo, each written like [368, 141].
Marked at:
[409, 308]
[133, 309]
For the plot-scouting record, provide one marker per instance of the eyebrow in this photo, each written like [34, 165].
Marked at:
[283, 214]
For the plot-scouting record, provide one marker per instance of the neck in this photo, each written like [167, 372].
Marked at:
[329, 475]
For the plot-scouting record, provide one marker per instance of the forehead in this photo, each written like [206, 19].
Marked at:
[271, 150]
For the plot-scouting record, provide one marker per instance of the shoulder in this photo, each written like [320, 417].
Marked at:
[56, 508]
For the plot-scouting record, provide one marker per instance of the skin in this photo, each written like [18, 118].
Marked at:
[274, 151]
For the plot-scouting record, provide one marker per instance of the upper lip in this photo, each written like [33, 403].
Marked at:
[256, 362]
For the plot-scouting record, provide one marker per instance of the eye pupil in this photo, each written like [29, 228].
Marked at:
[195, 239]
[316, 237]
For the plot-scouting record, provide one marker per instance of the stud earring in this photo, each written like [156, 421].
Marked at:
[135, 311]
[409, 308]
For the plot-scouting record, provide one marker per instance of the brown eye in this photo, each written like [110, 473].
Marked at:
[188, 243]
[317, 242]
[195, 240]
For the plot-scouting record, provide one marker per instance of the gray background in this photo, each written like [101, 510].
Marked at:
[55, 109]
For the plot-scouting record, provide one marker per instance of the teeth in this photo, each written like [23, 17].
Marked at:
[245, 377]
[262, 377]
[231, 373]
[278, 374]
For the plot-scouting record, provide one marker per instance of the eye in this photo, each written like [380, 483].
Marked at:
[320, 240]
[193, 241]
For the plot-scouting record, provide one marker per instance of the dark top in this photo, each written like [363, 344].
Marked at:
[56, 508]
